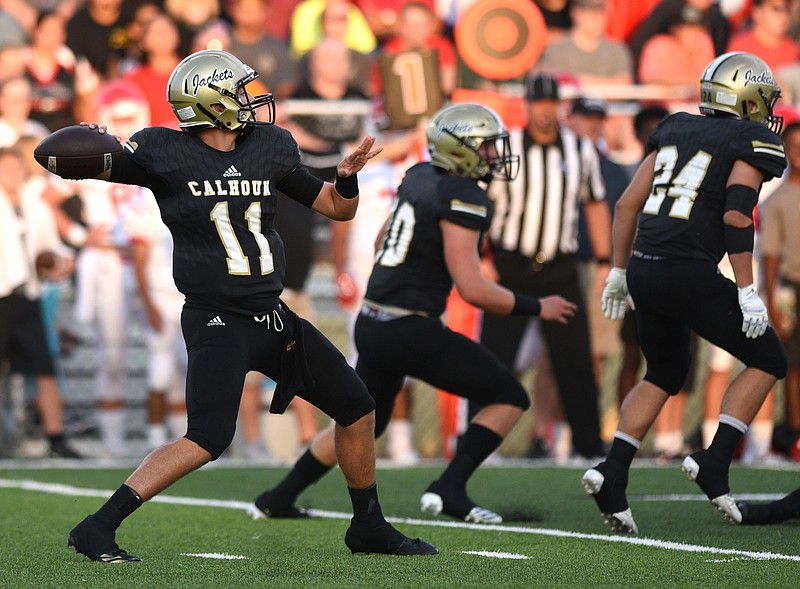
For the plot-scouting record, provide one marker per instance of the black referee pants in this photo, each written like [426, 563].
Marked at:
[568, 344]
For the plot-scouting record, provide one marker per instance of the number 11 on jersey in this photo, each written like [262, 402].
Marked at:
[238, 263]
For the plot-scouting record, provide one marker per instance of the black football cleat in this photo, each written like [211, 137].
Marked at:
[384, 539]
[441, 498]
[607, 487]
[97, 542]
[63, 450]
[771, 513]
[270, 505]
[755, 513]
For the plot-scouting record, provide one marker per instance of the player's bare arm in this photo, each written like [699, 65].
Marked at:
[339, 200]
[626, 212]
[464, 265]
[742, 174]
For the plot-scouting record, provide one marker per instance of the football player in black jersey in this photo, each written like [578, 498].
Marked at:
[693, 197]
[215, 182]
[775, 512]
[431, 240]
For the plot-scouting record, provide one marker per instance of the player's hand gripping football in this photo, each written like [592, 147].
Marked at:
[754, 312]
[556, 308]
[615, 294]
[102, 129]
[358, 158]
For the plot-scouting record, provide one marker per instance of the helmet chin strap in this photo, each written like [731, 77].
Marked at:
[211, 114]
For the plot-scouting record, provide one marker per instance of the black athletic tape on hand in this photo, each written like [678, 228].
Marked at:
[347, 186]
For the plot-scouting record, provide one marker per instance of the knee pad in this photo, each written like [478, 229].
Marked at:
[671, 383]
[215, 437]
[511, 392]
[776, 364]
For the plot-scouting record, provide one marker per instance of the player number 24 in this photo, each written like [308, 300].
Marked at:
[238, 263]
[683, 187]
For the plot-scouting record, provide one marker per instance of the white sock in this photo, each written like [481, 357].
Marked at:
[670, 442]
[661, 442]
[677, 442]
[629, 439]
[758, 442]
[733, 422]
[176, 422]
[156, 435]
[562, 442]
[399, 442]
[112, 430]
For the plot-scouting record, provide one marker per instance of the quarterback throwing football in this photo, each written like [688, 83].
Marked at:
[215, 182]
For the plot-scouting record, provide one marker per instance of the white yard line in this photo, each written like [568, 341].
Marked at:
[700, 497]
[71, 491]
[508, 555]
[215, 555]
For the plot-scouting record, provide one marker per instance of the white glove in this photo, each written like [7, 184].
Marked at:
[754, 312]
[615, 294]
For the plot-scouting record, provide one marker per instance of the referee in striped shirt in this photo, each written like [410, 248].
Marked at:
[533, 238]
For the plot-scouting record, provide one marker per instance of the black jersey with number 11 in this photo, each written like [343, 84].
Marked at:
[219, 207]
[695, 154]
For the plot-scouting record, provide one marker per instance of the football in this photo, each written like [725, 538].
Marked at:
[77, 152]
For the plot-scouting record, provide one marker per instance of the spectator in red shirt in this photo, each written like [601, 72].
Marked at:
[768, 36]
[679, 57]
[160, 44]
[417, 29]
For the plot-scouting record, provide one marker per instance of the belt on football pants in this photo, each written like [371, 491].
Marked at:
[381, 312]
[644, 256]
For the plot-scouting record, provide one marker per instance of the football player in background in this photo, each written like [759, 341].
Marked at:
[693, 197]
[771, 513]
[431, 240]
[214, 183]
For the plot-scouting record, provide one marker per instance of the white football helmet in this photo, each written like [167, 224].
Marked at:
[215, 77]
[742, 85]
[471, 141]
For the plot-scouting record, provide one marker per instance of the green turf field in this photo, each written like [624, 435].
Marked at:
[556, 538]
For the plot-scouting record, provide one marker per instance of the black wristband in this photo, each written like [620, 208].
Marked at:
[526, 305]
[347, 187]
[601, 261]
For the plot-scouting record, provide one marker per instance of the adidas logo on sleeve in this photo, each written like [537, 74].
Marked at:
[216, 321]
[231, 172]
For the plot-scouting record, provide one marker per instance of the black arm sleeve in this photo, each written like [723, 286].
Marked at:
[741, 198]
[126, 171]
[301, 186]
